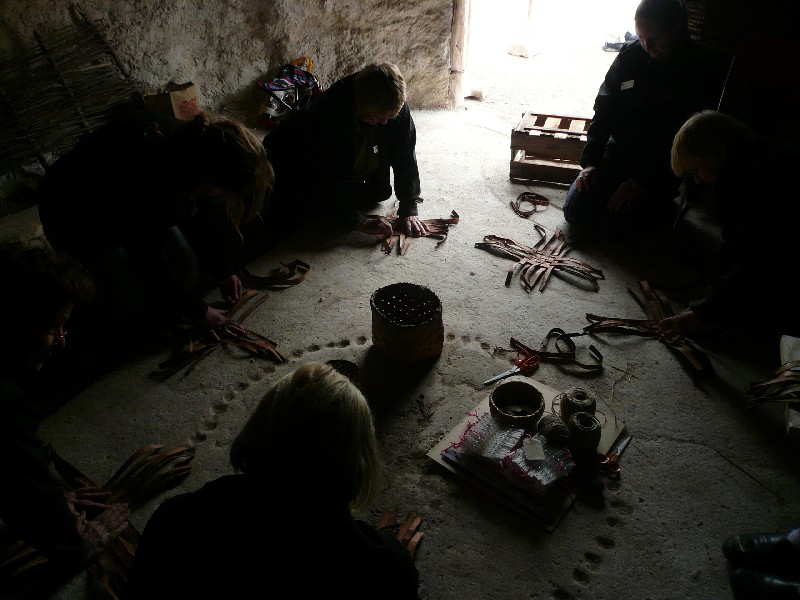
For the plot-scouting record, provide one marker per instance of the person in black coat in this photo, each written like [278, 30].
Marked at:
[653, 85]
[283, 523]
[148, 204]
[40, 289]
[335, 157]
[755, 201]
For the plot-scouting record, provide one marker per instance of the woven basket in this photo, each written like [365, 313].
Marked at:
[407, 322]
[518, 403]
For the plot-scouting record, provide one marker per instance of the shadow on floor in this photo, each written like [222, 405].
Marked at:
[387, 382]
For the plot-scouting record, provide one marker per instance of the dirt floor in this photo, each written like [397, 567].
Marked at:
[699, 467]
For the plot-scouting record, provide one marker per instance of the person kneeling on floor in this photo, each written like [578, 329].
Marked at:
[335, 157]
[70, 528]
[305, 459]
[755, 202]
[660, 78]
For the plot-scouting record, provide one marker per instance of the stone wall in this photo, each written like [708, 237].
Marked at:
[225, 46]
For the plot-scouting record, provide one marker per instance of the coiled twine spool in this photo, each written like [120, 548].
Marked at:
[584, 432]
[576, 400]
[553, 428]
[407, 322]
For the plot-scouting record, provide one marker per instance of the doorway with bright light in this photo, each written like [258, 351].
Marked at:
[544, 56]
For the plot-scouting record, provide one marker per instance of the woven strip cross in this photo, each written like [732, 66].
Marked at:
[198, 345]
[656, 307]
[535, 264]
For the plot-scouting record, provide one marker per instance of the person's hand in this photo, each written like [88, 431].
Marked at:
[88, 498]
[586, 179]
[231, 288]
[102, 530]
[684, 324]
[215, 321]
[624, 196]
[376, 226]
[414, 226]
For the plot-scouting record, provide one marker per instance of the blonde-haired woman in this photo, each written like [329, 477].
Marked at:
[755, 200]
[306, 459]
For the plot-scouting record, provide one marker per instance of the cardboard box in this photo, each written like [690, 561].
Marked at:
[178, 100]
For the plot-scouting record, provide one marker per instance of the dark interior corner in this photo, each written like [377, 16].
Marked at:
[762, 39]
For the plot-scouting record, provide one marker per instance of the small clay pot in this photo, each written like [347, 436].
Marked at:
[516, 402]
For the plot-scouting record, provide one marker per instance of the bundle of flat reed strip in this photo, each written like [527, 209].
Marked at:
[782, 386]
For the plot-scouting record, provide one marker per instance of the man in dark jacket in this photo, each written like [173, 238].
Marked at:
[335, 157]
[655, 83]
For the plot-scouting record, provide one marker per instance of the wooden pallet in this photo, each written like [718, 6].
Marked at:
[547, 147]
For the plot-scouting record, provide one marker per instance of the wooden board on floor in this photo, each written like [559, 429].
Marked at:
[528, 168]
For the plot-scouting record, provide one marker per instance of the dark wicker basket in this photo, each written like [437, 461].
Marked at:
[517, 403]
[407, 322]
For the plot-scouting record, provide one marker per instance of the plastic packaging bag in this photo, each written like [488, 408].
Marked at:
[499, 450]
[292, 89]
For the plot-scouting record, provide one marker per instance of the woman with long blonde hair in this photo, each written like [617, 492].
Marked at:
[305, 460]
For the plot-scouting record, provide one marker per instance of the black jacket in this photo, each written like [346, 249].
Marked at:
[115, 189]
[643, 102]
[315, 148]
[235, 538]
